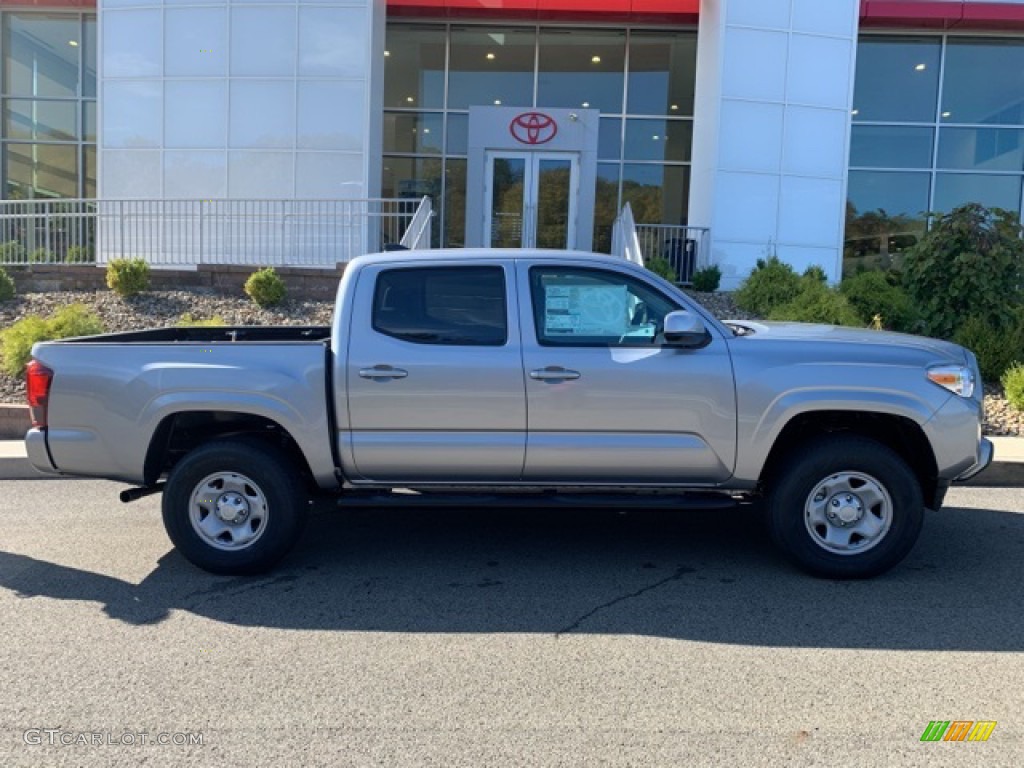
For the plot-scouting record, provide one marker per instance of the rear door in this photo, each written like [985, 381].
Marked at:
[434, 374]
[608, 402]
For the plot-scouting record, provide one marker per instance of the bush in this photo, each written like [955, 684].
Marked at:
[1013, 382]
[41, 256]
[662, 267]
[12, 251]
[969, 264]
[996, 346]
[872, 295]
[708, 279]
[187, 321]
[817, 303]
[127, 277]
[814, 272]
[770, 285]
[7, 289]
[265, 287]
[80, 254]
[16, 342]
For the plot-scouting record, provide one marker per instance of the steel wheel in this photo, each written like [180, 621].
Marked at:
[228, 511]
[848, 513]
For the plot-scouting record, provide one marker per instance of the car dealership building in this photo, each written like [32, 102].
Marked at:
[811, 129]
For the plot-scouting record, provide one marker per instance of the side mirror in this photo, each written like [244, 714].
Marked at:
[685, 329]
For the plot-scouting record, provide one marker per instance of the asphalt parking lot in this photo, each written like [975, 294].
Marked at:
[501, 638]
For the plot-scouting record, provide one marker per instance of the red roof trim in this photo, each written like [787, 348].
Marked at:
[44, 4]
[660, 11]
[942, 14]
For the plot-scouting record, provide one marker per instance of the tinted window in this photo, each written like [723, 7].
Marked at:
[590, 307]
[442, 305]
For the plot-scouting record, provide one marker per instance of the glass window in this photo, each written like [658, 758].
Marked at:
[606, 205]
[897, 79]
[458, 306]
[89, 120]
[885, 215]
[578, 67]
[595, 308]
[413, 133]
[609, 138]
[897, 146]
[662, 73]
[490, 67]
[954, 189]
[41, 170]
[981, 149]
[89, 189]
[41, 54]
[983, 82]
[412, 178]
[40, 120]
[658, 194]
[661, 140]
[89, 55]
[458, 134]
[454, 204]
[414, 66]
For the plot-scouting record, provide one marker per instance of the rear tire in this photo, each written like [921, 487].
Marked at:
[234, 508]
[845, 507]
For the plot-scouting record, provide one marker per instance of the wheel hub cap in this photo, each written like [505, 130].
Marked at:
[232, 508]
[848, 513]
[845, 509]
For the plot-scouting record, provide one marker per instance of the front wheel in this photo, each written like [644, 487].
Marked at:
[234, 508]
[845, 507]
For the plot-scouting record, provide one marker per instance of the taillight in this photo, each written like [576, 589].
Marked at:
[37, 383]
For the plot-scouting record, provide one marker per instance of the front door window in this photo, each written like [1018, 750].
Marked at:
[531, 199]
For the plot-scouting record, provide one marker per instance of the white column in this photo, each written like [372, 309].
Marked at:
[771, 131]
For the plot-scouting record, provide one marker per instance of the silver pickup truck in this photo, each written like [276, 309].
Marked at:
[521, 377]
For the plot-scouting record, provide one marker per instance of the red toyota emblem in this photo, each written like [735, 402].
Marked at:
[533, 128]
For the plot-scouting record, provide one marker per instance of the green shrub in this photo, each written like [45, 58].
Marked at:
[265, 287]
[814, 272]
[969, 264]
[872, 295]
[12, 251]
[127, 277]
[16, 342]
[188, 321]
[662, 267]
[80, 254]
[1013, 382]
[41, 256]
[996, 345]
[7, 289]
[817, 303]
[770, 285]
[708, 279]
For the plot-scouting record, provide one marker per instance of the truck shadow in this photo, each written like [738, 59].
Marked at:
[704, 576]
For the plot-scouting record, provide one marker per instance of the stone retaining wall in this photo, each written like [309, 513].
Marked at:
[301, 283]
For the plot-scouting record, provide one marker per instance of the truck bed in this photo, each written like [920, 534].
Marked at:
[210, 334]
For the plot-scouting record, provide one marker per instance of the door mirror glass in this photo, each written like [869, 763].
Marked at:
[685, 329]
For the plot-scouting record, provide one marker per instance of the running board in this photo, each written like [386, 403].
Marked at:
[539, 500]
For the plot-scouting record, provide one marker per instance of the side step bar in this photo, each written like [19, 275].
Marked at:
[539, 500]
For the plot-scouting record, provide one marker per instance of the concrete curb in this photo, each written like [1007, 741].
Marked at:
[1007, 471]
[14, 421]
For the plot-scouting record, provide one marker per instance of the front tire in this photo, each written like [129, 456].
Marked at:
[234, 508]
[845, 507]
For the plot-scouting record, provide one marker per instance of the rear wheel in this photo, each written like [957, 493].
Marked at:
[234, 508]
[845, 506]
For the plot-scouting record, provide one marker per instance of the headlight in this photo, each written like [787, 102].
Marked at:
[958, 379]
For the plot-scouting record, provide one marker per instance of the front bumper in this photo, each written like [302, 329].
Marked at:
[986, 452]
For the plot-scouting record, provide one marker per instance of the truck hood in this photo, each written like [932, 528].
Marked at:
[809, 332]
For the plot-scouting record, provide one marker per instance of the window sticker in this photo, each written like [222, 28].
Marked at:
[586, 310]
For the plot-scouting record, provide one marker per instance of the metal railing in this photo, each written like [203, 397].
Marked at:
[187, 233]
[417, 233]
[684, 247]
[625, 243]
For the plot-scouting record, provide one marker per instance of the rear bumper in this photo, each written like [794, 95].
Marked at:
[38, 454]
[985, 456]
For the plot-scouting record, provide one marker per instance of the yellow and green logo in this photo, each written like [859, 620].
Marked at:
[958, 730]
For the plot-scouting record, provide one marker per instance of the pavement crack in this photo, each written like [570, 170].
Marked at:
[678, 574]
[232, 588]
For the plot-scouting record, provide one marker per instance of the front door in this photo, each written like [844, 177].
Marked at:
[530, 199]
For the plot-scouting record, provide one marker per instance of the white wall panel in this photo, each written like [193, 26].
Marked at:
[742, 151]
[191, 174]
[809, 212]
[195, 42]
[819, 17]
[132, 114]
[748, 205]
[132, 43]
[815, 142]
[261, 174]
[263, 41]
[764, 14]
[195, 113]
[818, 71]
[755, 65]
[331, 175]
[135, 173]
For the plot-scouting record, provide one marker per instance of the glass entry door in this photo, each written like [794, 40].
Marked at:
[530, 199]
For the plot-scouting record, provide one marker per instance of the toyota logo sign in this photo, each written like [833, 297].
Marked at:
[533, 128]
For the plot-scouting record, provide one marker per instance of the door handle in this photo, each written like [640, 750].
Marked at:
[554, 373]
[382, 372]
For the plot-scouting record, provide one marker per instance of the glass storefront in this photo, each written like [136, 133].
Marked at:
[642, 81]
[938, 121]
[48, 65]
